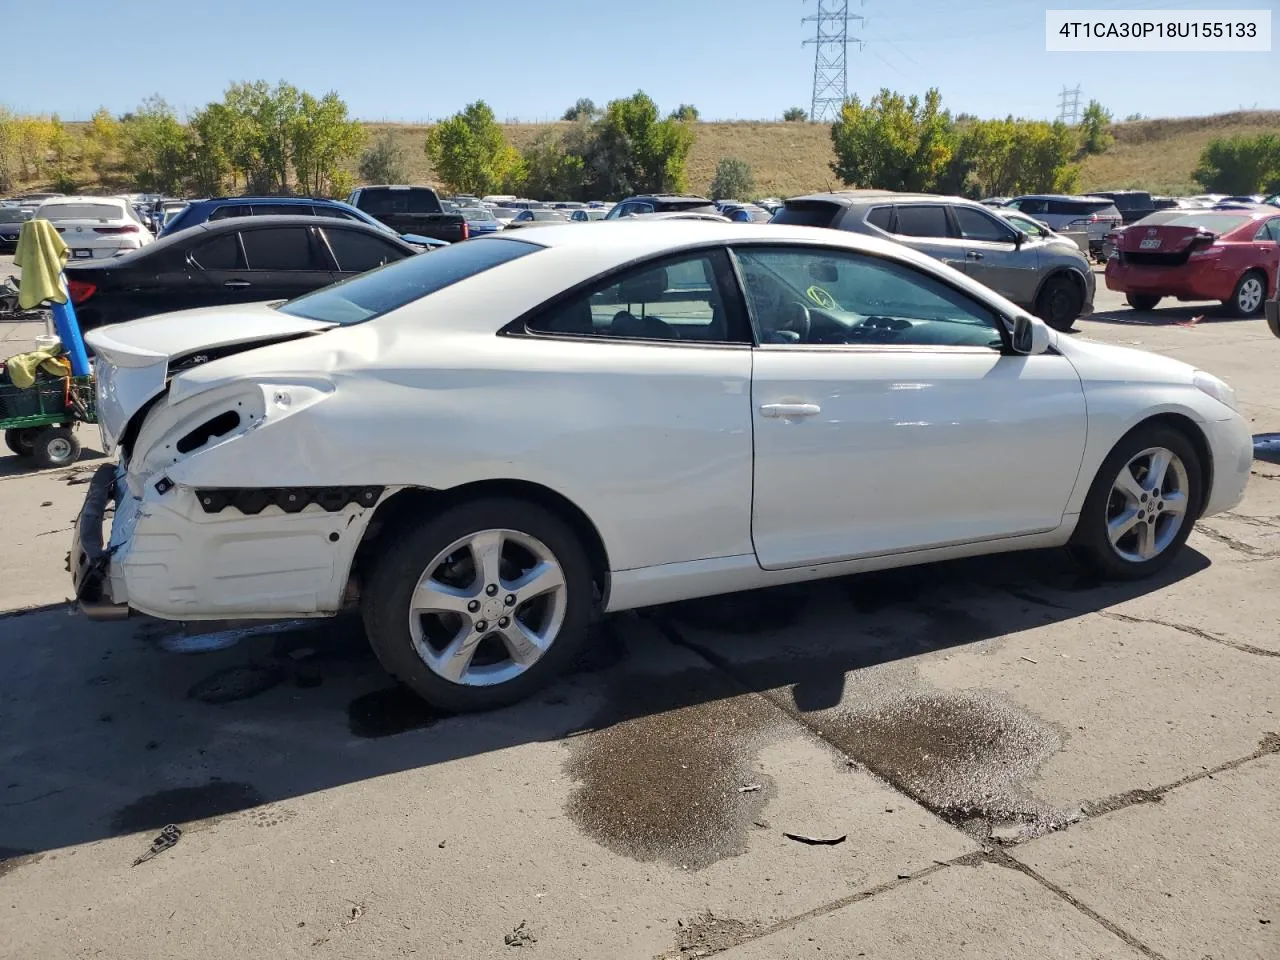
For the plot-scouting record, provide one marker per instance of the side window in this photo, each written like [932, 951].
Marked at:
[357, 252]
[880, 217]
[221, 253]
[233, 210]
[976, 225]
[1268, 230]
[279, 248]
[641, 208]
[814, 295]
[1275, 229]
[1032, 205]
[336, 212]
[676, 300]
[922, 220]
[281, 210]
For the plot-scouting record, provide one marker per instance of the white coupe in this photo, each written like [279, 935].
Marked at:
[485, 446]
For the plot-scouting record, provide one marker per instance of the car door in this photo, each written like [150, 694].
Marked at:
[927, 228]
[894, 420]
[1266, 243]
[218, 266]
[355, 251]
[994, 257]
[283, 262]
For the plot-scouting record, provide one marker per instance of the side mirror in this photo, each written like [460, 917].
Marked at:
[1030, 336]
[1019, 239]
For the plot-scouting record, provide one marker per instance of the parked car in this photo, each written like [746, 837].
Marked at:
[1096, 215]
[680, 215]
[480, 221]
[1228, 255]
[994, 201]
[95, 227]
[660, 203]
[11, 221]
[585, 216]
[1133, 205]
[35, 199]
[341, 446]
[411, 210]
[504, 215]
[1054, 282]
[1032, 227]
[163, 211]
[529, 218]
[221, 208]
[1111, 243]
[240, 260]
[746, 213]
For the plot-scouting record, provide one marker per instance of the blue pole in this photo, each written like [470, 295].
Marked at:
[64, 321]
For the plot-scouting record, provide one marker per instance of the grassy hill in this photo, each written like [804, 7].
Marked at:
[792, 158]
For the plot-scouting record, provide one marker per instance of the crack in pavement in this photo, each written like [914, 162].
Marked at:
[1231, 543]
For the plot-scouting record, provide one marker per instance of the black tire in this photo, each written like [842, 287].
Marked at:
[21, 440]
[393, 579]
[56, 447]
[1090, 544]
[1253, 281]
[1142, 301]
[1059, 302]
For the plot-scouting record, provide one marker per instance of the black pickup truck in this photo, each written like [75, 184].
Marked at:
[415, 210]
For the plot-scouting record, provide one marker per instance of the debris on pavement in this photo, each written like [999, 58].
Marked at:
[749, 788]
[817, 841]
[354, 914]
[519, 936]
[167, 838]
[1029, 660]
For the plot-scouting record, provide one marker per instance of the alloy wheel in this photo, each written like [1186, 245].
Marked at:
[1249, 295]
[1148, 504]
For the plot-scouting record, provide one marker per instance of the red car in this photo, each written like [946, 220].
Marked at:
[1227, 255]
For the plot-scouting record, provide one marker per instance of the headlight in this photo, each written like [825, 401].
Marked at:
[1208, 383]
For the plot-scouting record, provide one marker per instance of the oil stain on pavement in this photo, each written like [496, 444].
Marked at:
[660, 778]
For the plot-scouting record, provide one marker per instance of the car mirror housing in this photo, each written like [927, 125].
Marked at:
[1019, 238]
[1030, 336]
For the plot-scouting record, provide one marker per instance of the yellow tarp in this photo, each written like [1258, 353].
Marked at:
[41, 254]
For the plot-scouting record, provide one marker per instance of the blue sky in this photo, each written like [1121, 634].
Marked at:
[416, 60]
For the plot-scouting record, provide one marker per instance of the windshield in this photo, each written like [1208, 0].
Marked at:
[476, 213]
[387, 288]
[1215, 222]
[13, 215]
[381, 201]
[81, 211]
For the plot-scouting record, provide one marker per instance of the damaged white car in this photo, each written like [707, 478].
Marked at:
[486, 447]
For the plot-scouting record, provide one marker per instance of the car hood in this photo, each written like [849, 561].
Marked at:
[134, 361]
[1097, 362]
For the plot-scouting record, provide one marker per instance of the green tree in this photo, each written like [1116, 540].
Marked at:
[155, 147]
[1095, 129]
[551, 172]
[584, 109]
[101, 145]
[687, 112]
[217, 136]
[1005, 157]
[384, 161]
[321, 138]
[261, 125]
[1240, 165]
[470, 153]
[795, 115]
[62, 156]
[893, 142]
[733, 180]
[631, 151]
[8, 151]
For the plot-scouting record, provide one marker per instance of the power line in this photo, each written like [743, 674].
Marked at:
[1069, 105]
[830, 57]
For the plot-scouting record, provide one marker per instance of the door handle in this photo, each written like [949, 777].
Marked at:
[974, 255]
[236, 283]
[789, 410]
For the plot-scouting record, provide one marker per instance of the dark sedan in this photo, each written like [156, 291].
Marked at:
[11, 221]
[241, 260]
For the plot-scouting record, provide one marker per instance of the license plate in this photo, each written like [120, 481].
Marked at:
[1150, 243]
[82, 254]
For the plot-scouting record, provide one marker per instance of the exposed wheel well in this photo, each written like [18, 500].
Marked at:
[414, 502]
[1189, 429]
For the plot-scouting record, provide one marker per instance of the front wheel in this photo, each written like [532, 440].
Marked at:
[1249, 294]
[1142, 505]
[481, 605]
[1059, 303]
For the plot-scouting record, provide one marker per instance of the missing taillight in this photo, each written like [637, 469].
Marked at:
[219, 426]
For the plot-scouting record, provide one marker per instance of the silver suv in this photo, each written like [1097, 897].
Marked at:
[1041, 274]
[1097, 216]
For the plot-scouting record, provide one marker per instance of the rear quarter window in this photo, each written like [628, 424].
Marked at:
[809, 213]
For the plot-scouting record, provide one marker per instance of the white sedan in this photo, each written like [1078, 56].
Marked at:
[95, 227]
[486, 446]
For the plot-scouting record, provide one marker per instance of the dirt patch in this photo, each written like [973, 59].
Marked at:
[662, 781]
[11, 859]
[384, 713]
[967, 756]
[708, 934]
[185, 804]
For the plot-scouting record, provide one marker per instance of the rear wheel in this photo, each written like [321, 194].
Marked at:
[21, 441]
[1142, 505]
[481, 605]
[1250, 292]
[1059, 302]
[1142, 301]
[55, 447]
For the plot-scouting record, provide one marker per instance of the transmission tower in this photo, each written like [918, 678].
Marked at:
[1069, 105]
[830, 57]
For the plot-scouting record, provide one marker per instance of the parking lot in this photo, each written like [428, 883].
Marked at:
[980, 759]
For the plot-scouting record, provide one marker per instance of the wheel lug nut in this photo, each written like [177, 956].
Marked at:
[510, 601]
[491, 589]
[482, 626]
[504, 622]
[473, 606]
